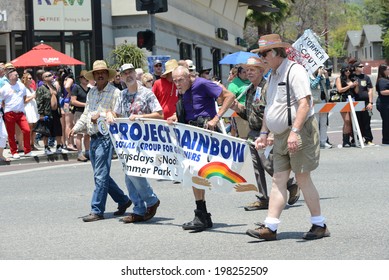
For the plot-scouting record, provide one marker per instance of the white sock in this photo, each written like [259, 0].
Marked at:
[79, 153]
[318, 220]
[272, 223]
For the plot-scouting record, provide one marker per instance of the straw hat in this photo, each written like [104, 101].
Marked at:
[170, 65]
[100, 65]
[271, 41]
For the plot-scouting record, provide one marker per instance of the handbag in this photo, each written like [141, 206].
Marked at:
[42, 128]
[335, 96]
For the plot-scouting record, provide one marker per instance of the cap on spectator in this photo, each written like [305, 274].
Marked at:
[126, 66]
[191, 66]
[157, 61]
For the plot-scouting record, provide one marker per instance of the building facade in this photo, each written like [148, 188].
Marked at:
[201, 30]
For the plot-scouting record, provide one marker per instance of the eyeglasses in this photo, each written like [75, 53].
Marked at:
[158, 65]
[49, 75]
[264, 54]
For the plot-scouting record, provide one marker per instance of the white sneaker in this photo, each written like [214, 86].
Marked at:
[325, 146]
[30, 154]
[48, 152]
[369, 143]
[64, 151]
[16, 156]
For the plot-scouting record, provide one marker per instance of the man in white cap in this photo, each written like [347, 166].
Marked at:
[296, 138]
[100, 102]
[165, 90]
[137, 101]
[191, 67]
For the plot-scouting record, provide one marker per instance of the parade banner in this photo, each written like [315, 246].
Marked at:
[308, 52]
[194, 156]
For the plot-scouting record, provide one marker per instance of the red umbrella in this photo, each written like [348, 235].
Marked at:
[44, 55]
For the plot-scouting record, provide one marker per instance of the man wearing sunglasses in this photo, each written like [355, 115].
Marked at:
[47, 99]
[157, 69]
[296, 145]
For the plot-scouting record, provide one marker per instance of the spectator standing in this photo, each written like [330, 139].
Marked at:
[382, 88]
[297, 147]
[192, 68]
[320, 84]
[14, 94]
[3, 134]
[78, 101]
[238, 87]
[33, 83]
[147, 80]
[205, 73]
[30, 107]
[166, 91]
[346, 85]
[365, 94]
[199, 97]
[3, 78]
[135, 102]
[139, 74]
[47, 99]
[117, 82]
[157, 66]
[100, 102]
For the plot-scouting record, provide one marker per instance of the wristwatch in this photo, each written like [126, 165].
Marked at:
[295, 130]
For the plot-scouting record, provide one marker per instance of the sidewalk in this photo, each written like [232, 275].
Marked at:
[39, 156]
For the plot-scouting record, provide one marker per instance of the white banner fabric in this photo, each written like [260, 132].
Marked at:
[195, 156]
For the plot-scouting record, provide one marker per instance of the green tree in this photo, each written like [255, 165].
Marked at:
[260, 23]
[128, 53]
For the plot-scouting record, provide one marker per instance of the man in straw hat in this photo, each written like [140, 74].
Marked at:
[296, 145]
[165, 90]
[198, 100]
[252, 111]
[100, 102]
[137, 101]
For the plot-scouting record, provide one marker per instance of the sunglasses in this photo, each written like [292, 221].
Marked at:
[158, 65]
[47, 76]
[29, 78]
[360, 66]
[264, 54]
[149, 81]
[206, 73]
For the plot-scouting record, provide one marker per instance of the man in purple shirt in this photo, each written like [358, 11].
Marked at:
[198, 100]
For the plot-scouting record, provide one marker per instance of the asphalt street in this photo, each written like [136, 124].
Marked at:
[40, 208]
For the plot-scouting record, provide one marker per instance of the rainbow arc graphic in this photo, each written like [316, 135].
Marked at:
[220, 169]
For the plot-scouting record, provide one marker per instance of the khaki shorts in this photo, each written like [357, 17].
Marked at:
[306, 158]
[77, 116]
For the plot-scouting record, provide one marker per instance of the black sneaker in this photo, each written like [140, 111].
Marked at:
[316, 232]
[201, 221]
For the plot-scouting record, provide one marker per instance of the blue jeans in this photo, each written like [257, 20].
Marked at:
[141, 194]
[100, 156]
